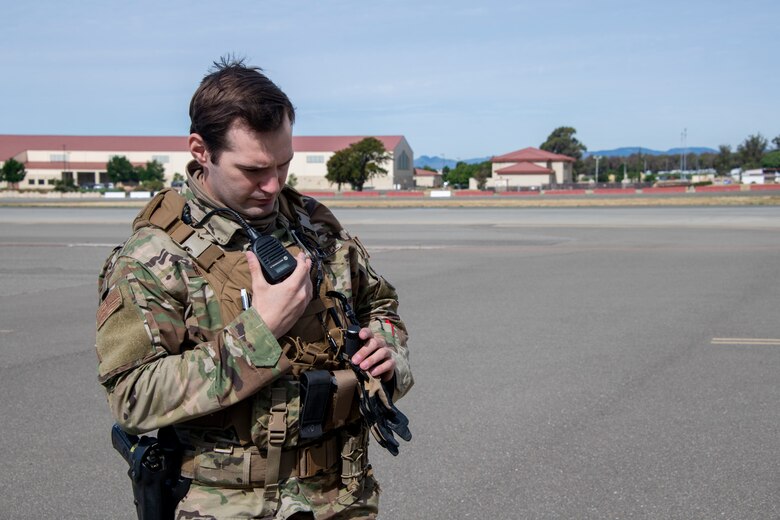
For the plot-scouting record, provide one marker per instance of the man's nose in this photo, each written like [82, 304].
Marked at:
[269, 183]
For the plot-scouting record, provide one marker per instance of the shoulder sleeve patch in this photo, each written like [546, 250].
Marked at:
[112, 302]
[123, 338]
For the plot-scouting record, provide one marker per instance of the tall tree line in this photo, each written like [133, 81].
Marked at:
[753, 152]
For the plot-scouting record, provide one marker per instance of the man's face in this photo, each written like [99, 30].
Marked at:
[251, 170]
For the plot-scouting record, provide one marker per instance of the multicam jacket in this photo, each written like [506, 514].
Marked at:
[166, 353]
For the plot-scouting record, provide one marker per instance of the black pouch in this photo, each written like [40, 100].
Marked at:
[315, 400]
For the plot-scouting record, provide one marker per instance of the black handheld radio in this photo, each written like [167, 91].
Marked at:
[275, 261]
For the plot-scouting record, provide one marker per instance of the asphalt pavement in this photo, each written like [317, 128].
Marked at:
[585, 363]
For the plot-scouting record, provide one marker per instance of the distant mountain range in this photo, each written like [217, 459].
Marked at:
[629, 150]
[438, 163]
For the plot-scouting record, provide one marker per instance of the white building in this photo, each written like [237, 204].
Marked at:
[757, 176]
[529, 167]
[309, 165]
[83, 158]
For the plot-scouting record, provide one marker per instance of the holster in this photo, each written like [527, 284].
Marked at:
[155, 472]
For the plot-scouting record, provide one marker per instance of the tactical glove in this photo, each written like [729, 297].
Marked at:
[381, 415]
[376, 404]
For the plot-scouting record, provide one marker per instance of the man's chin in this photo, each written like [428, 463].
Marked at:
[255, 211]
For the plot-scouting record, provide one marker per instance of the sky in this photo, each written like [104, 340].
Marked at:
[458, 79]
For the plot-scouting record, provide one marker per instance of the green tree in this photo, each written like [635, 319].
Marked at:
[776, 142]
[771, 160]
[751, 151]
[562, 141]
[655, 163]
[724, 161]
[341, 168]
[152, 171]
[357, 163]
[482, 174]
[705, 161]
[13, 172]
[151, 175]
[120, 169]
[460, 175]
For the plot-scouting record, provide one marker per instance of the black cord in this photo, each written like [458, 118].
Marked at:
[186, 217]
[296, 231]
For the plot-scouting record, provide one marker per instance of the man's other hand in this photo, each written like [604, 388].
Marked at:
[375, 356]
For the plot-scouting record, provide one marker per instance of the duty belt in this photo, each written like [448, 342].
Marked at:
[237, 467]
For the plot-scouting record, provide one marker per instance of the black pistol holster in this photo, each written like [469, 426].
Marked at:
[155, 471]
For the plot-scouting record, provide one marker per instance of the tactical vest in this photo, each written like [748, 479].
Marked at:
[313, 343]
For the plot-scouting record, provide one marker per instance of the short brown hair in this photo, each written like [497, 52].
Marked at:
[233, 92]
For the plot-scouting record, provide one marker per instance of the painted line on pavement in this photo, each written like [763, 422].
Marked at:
[404, 248]
[751, 342]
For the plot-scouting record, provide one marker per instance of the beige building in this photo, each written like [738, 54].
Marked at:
[309, 165]
[427, 178]
[83, 159]
[529, 167]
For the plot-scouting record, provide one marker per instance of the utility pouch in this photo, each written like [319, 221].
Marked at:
[315, 398]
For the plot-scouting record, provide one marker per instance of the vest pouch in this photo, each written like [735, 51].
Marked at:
[261, 413]
[315, 403]
[226, 278]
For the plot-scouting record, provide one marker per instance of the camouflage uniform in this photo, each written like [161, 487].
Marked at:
[168, 355]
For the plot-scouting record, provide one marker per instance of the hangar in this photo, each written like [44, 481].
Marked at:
[48, 158]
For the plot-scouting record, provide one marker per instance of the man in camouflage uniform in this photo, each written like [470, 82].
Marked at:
[176, 348]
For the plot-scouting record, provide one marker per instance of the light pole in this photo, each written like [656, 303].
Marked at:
[596, 178]
[683, 152]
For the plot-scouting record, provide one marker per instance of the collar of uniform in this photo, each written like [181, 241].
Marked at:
[223, 228]
[220, 228]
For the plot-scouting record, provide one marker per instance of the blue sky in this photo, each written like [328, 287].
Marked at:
[459, 79]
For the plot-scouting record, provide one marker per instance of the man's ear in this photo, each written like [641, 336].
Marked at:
[198, 149]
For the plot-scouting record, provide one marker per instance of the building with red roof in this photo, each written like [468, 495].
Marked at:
[426, 178]
[529, 167]
[83, 159]
[309, 165]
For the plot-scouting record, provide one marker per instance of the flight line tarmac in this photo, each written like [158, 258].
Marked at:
[569, 362]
